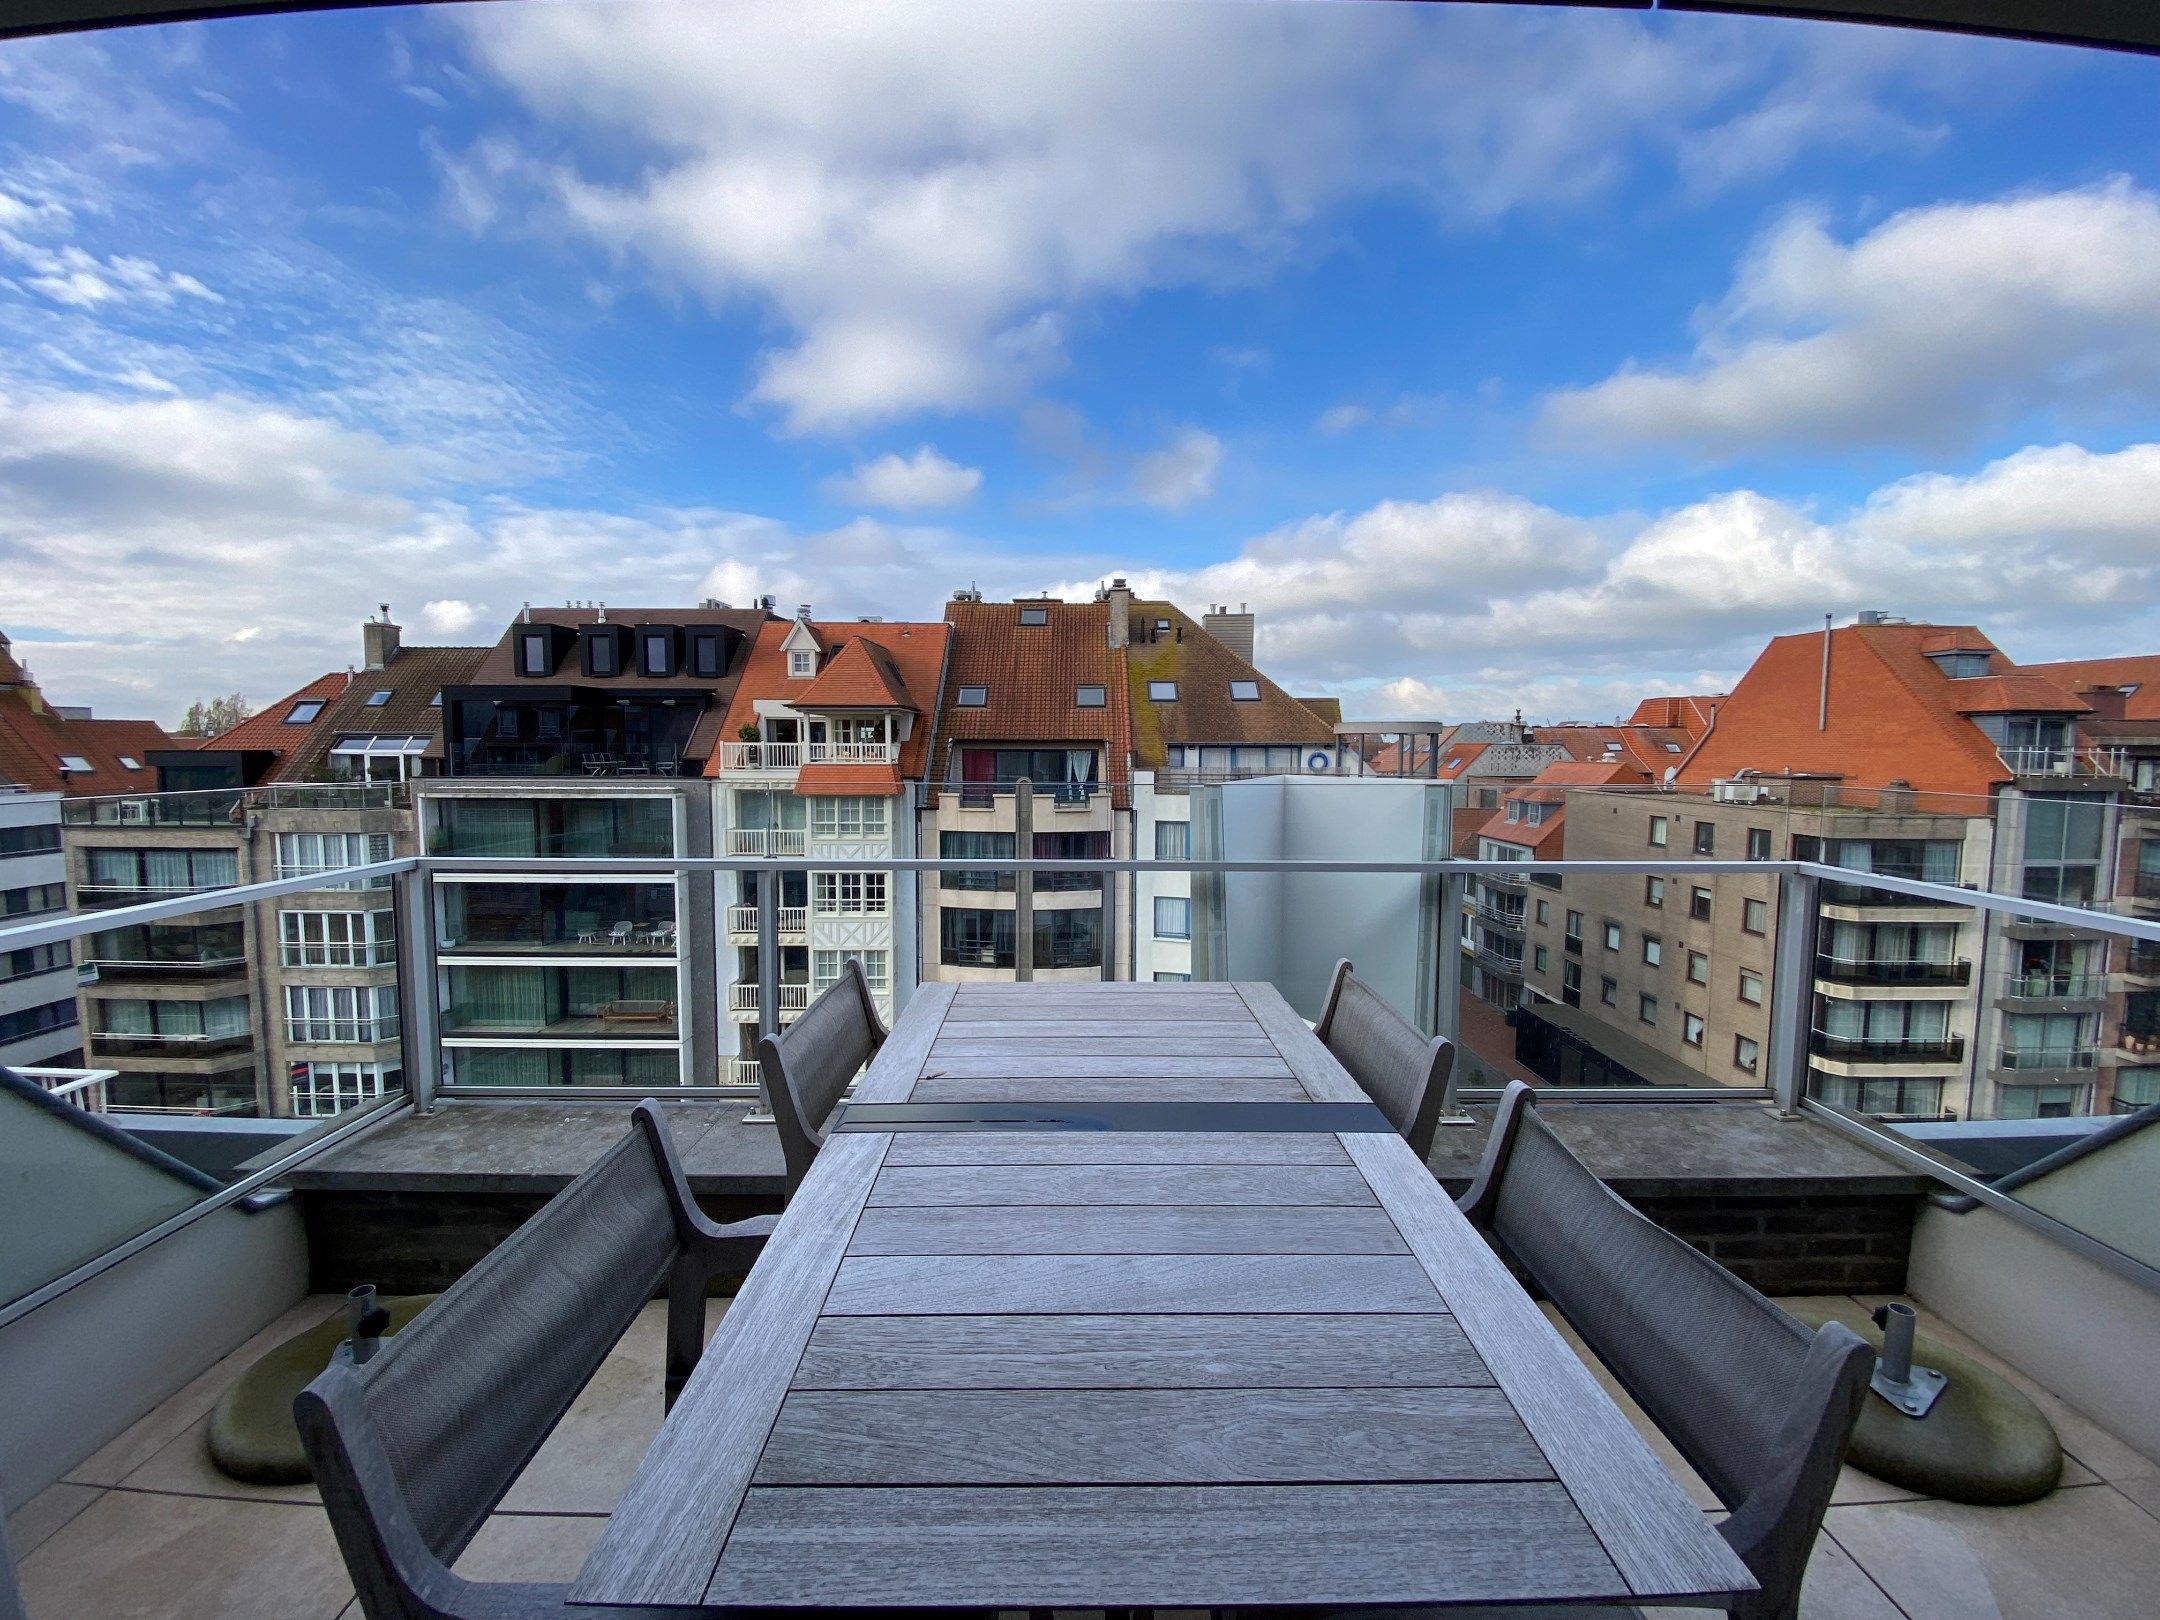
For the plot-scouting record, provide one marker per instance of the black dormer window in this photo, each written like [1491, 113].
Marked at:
[706, 657]
[533, 656]
[656, 652]
[604, 650]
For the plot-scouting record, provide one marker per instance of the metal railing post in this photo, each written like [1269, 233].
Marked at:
[1023, 882]
[1447, 997]
[768, 953]
[1107, 932]
[417, 985]
[1792, 990]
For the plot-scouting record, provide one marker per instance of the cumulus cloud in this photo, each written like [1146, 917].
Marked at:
[907, 483]
[1938, 325]
[1181, 473]
[921, 197]
[447, 616]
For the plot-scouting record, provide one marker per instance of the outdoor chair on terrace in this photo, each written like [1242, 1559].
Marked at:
[1406, 1074]
[414, 1449]
[809, 1064]
[1760, 1407]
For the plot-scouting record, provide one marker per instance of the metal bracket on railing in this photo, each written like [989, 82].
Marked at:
[368, 1321]
[1912, 1390]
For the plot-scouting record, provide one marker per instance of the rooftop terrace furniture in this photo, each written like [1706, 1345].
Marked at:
[1760, 1407]
[414, 1450]
[810, 1062]
[1406, 1074]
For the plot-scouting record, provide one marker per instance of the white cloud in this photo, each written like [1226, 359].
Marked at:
[907, 483]
[1934, 327]
[1180, 473]
[448, 616]
[1337, 420]
[921, 197]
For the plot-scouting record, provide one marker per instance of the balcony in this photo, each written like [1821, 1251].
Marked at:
[2020, 989]
[742, 924]
[340, 1031]
[1851, 1049]
[158, 1044]
[1516, 883]
[851, 753]
[1507, 964]
[1885, 971]
[1510, 918]
[1860, 902]
[743, 1002]
[775, 841]
[164, 970]
[760, 756]
[107, 896]
[2032, 1063]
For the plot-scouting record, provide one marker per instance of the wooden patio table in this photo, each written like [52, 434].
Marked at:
[1251, 1359]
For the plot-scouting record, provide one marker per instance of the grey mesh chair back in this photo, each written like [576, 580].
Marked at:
[810, 1062]
[413, 1450]
[1406, 1074]
[1760, 1407]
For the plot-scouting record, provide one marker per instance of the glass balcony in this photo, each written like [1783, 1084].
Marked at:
[1878, 970]
[1862, 1049]
[581, 918]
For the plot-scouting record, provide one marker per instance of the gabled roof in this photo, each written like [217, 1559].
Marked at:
[1688, 714]
[413, 678]
[34, 738]
[1457, 757]
[1587, 773]
[890, 665]
[2015, 694]
[1168, 645]
[269, 731]
[1030, 675]
[861, 675]
[2084, 674]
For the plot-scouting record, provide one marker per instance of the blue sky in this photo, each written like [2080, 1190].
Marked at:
[1499, 358]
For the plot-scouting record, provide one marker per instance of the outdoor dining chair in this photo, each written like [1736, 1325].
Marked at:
[1406, 1074]
[810, 1062]
[1760, 1407]
[414, 1449]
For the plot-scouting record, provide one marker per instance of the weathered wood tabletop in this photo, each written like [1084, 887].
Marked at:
[1130, 1368]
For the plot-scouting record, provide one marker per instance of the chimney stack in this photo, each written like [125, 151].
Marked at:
[1233, 630]
[379, 641]
[1119, 596]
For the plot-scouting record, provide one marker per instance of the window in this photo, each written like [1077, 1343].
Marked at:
[47, 958]
[1909, 1099]
[969, 938]
[1657, 832]
[1173, 840]
[322, 1089]
[1573, 933]
[1162, 691]
[1653, 950]
[1609, 992]
[977, 846]
[849, 817]
[1758, 843]
[600, 656]
[1173, 917]
[801, 665]
[1698, 968]
[827, 966]
[299, 854]
[1571, 983]
[1245, 691]
[1544, 912]
[1088, 697]
[1755, 916]
[128, 762]
[1691, 1029]
[1068, 939]
[1540, 960]
[1646, 1009]
[1653, 891]
[303, 712]
[705, 654]
[1751, 987]
[377, 698]
[317, 1013]
[1961, 666]
[1705, 838]
[848, 894]
[336, 938]
[37, 897]
[974, 697]
[1070, 846]
[1612, 936]
[1698, 906]
[656, 652]
[1173, 978]
[1746, 1053]
[532, 657]
[1034, 615]
[36, 840]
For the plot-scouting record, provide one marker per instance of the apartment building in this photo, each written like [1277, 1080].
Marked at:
[1910, 750]
[823, 745]
[1078, 731]
[584, 732]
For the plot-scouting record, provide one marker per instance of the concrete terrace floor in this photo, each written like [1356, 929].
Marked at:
[147, 1530]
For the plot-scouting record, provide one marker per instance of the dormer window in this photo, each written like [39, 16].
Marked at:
[801, 665]
[1034, 615]
[303, 712]
[705, 657]
[600, 656]
[377, 699]
[76, 763]
[1244, 691]
[1514, 809]
[1963, 665]
[656, 653]
[532, 653]
[1162, 691]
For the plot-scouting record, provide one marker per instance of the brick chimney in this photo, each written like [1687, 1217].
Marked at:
[1233, 630]
[1119, 596]
[379, 640]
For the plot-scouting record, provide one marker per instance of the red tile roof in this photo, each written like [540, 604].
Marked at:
[2016, 694]
[269, 730]
[861, 675]
[1588, 773]
[1688, 714]
[2083, 674]
[1030, 674]
[841, 781]
[880, 665]
[1456, 757]
[34, 738]
[413, 677]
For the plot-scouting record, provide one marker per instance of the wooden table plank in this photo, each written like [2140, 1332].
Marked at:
[1101, 1284]
[1241, 1185]
[1115, 1147]
[1652, 1531]
[1126, 1229]
[1205, 1028]
[891, 1074]
[1126, 1352]
[960, 1041]
[1161, 1546]
[989, 1088]
[1146, 1437]
[1055, 1063]
[1324, 1079]
[667, 1531]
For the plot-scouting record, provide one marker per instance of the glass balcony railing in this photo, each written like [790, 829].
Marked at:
[1882, 971]
[2049, 1057]
[1887, 1049]
[2054, 985]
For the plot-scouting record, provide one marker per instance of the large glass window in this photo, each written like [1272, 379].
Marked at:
[321, 1013]
[1069, 939]
[1070, 846]
[162, 871]
[972, 938]
[2063, 836]
[302, 853]
[850, 817]
[554, 826]
[977, 846]
[125, 1025]
[321, 1089]
[1065, 773]
[615, 1067]
[600, 1003]
[601, 918]
[336, 938]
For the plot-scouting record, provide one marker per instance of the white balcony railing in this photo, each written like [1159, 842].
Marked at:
[743, 999]
[768, 841]
[851, 753]
[745, 1072]
[760, 756]
[794, 923]
[85, 1088]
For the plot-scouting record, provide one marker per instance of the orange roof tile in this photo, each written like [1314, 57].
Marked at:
[1030, 675]
[1457, 756]
[2140, 672]
[906, 659]
[270, 730]
[1589, 773]
[34, 738]
[861, 675]
[838, 781]
[2016, 694]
